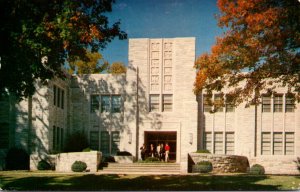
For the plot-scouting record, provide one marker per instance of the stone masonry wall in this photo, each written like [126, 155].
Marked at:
[221, 163]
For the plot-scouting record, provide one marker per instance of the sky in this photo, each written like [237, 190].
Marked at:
[163, 19]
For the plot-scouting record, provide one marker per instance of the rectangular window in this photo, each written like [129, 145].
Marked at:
[115, 142]
[289, 104]
[277, 143]
[105, 103]
[167, 102]
[266, 103]
[54, 95]
[218, 144]
[58, 97]
[94, 140]
[207, 141]
[289, 143]
[218, 103]
[154, 102]
[104, 142]
[278, 103]
[229, 143]
[116, 104]
[229, 106]
[94, 103]
[61, 138]
[62, 99]
[206, 103]
[58, 138]
[266, 143]
[54, 138]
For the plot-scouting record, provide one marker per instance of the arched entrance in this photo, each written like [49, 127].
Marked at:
[158, 137]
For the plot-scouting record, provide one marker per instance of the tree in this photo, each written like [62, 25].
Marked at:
[93, 63]
[260, 49]
[60, 30]
[117, 68]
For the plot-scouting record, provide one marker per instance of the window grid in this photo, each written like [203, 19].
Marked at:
[218, 142]
[277, 143]
[115, 142]
[116, 104]
[266, 103]
[94, 103]
[207, 141]
[289, 104]
[167, 102]
[154, 102]
[105, 103]
[229, 143]
[266, 143]
[289, 143]
[206, 103]
[278, 103]
[218, 100]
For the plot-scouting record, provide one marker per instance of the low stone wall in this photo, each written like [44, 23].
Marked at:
[123, 159]
[221, 163]
[277, 165]
[64, 161]
[35, 159]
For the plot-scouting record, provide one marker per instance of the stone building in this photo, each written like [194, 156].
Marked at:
[152, 103]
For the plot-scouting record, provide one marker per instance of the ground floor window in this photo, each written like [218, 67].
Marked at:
[219, 142]
[277, 143]
[107, 142]
[58, 138]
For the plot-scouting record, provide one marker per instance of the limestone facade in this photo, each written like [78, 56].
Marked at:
[152, 103]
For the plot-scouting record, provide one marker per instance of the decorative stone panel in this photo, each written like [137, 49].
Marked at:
[221, 163]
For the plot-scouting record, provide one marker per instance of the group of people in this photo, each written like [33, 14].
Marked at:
[161, 151]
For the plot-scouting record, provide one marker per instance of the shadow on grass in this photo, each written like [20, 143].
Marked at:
[92, 182]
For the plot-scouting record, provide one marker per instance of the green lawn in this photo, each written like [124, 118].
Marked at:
[48, 180]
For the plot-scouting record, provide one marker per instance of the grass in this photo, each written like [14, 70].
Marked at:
[49, 180]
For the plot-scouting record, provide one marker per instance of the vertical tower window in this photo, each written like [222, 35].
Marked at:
[278, 103]
[289, 104]
[266, 103]
[167, 102]
[218, 103]
[206, 103]
[54, 95]
[154, 102]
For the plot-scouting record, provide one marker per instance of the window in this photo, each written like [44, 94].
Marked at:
[62, 99]
[167, 102]
[207, 141]
[4, 135]
[277, 143]
[289, 143]
[54, 138]
[105, 103]
[116, 104]
[218, 103]
[218, 145]
[104, 142]
[58, 97]
[229, 106]
[229, 143]
[115, 142]
[206, 103]
[54, 95]
[94, 140]
[154, 102]
[266, 143]
[61, 138]
[94, 103]
[278, 103]
[289, 104]
[266, 103]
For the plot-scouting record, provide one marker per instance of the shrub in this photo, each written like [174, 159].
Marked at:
[76, 142]
[203, 151]
[123, 153]
[79, 166]
[17, 159]
[86, 150]
[44, 165]
[203, 167]
[257, 169]
[151, 159]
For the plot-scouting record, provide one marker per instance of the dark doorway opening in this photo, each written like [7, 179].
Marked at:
[158, 137]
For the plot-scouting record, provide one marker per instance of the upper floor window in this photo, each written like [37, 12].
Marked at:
[105, 103]
[218, 103]
[116, 104]
[109, 103]
[167, 102]
[266, 103]
[206, 103]
[94, 103]
[289, 104]
[278, 103]
[154, 102]
[58, 97]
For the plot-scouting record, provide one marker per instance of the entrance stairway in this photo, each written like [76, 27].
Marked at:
[141, 168]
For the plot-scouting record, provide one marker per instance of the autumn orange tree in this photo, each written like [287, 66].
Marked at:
[259, 49]
[62, 31]
[117, 68]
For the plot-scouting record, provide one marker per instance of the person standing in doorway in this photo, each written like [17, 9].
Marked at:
[143, 151]
[161, 152]
[152, 151]
[167, 151]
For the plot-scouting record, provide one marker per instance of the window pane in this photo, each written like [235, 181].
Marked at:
[266, 143]
[104, 142]
[115, 141]
[218, 145]
[206, 103]
[94, 103]
[167, 102]
[154, 102]
[116, 104]
[289, 143]
[58, 97]
[207, 141]
[229, 148]
[62, 99]
[54, 138]
[218, 103]
[278, 103]
[54, 95]
[105, 103]
[277, 144]
[289, 104]
[94, 140]
[266, 104]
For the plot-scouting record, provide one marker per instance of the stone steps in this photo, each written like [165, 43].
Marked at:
[141, 168]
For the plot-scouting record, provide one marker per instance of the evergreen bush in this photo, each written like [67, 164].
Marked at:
[44, 165]
[257, 169]
[203, 151]
[17, 159]
[79, 166]
[203, 167]
[86, 150]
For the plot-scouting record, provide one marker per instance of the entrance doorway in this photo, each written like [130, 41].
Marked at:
[158, 137]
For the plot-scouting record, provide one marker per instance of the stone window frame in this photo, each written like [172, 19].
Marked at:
[154, 104]
[289, 103]
[167, 102]
[278, 103]
[266, 103]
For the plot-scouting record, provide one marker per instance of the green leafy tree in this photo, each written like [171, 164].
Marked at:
[61, 31]
[263, 38]
[117, 68]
